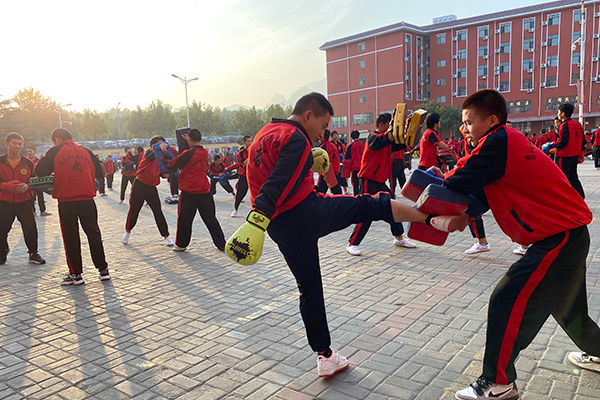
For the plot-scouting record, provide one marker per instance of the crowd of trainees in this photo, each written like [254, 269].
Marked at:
[501, 170]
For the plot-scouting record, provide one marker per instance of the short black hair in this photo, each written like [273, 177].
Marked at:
[61, 134]
[195, 134]
[567, 108]
[247, 137]
[383, 119]
[431, 120]
[217, 157]
[315, 102]
[326, 135]
[354, 134]
[543, 131]
[487, 102]
[156, 139]
[13, 135]
[140, 149]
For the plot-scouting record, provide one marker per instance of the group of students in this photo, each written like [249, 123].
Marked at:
[502, 170]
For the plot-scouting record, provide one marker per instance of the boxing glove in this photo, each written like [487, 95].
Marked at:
[246, 244]
[547, 147]
[320, 160]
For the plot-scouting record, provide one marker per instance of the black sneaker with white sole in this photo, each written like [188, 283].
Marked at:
[35, 258]
[72, 280]
[482, 389]
[104, 275]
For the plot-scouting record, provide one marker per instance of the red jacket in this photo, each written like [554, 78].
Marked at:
[428, 149]
[192, 165]
[504, 171]
[570, 139]
[376, 164]
[109, 167]
[129, 164]
[216, 170]
[542, 140]
[354, 152]
[22, 172]
[279, 167]
[75, 171]
[148, 171]
[242, 156]
[332, 152]
[552, 137]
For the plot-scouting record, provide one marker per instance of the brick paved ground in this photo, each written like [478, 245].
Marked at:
[195, 325]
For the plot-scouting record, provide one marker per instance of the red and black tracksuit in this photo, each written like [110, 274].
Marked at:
[354, 152]
[216, 175]
[504, 171]
[428, 149]
[241, 189]
[569, 147]
[397, 174]
[129, 164]
[282, 188]
[109, 168]
[334, 160]
[19, 205]
[375, 169]
[143, 190]
[341, 151]
[195, 196]
[75, 172]
[38, 194]
[596, 148]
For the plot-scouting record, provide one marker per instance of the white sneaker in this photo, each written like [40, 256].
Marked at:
[585, 361]
[354, 250]
[169, 241]
[126, 236]
[177, 248]
[520, 250]
[121, 202]
[478, 248]
[332, 365]
[404, 243]
[234, 214]
[483, 389]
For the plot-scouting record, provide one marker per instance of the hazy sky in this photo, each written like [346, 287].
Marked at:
[95, 54]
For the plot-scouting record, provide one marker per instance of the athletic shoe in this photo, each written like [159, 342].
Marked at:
[585, 361]
[104, 275]
[177, 248]
[3, 254]
[126, 236]
[35, 258]
[169, 241]
[234, 214]
[332, 365]
[121, 202]
[478, 248]
[484, 389]
[354, 250]
[102, 194]
[520, 250]
[404, 243]
[72, 280]
[45, 214]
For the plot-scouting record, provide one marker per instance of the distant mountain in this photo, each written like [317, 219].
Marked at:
[235, 107]
[277, 98]
[318, 86]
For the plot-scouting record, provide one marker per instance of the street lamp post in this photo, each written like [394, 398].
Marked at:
[118, 121]
[185, 82]
[581, 42]
[59, 109]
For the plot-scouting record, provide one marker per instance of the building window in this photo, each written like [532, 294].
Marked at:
[461, 35]
[574, 78]
[420, 42]
[554, 19]
[408, 57]
[528, 43]
[339, 122]
[519, 107]
[553, 40]
[441, 38]
[528, 24]
[408, 39]
[441, 99]
[482, 32]
[482, 51]
[362, 81]
[441, 81]
[576, 36]
[441, 63]
[419, 60]
[522, 126]
[577, 16]
[551, 81]
[461, 91]
[461, 72]
[552, 103]
[504, 87]
[361, 46]
[408, 95]
[552, 61]
[362, 119]
[362, 98]
[575, 57]
[527, 83]
[505, 27]
[505, 47]
[528, 63]
[482, 70]
[505, 66]
[362, 63]
[481, 86]
[408, 76]
[462, 54]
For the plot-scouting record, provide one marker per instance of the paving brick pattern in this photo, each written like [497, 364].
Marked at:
[195, 325]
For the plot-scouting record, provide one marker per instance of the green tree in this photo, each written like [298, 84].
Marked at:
[247, 122]
[203, 117]
[276, 111]
[156, 119]
[450, 117]
[36, 115]
[90, 125]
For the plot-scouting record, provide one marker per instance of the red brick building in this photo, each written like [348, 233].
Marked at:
[525, 53]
